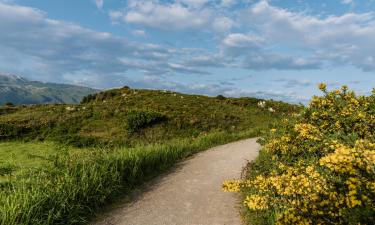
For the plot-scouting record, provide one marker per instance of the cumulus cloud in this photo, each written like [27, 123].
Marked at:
[214, 89]
[346, 2]
[213, 60]
[194, 3]
[60, 51]
[335, 40]
[99, 3]
[139, 33]
[294, 83]
[176, 15]
[228, 3]
[251, 50]
[254, 36]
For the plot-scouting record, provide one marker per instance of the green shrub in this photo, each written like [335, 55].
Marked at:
[221, 97]
[9, 104]
[137, 120]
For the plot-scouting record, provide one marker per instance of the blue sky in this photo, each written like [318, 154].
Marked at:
[277, 49]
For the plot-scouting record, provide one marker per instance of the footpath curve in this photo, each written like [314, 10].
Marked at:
[191, 194]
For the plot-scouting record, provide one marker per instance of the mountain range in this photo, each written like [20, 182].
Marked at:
[19, 90]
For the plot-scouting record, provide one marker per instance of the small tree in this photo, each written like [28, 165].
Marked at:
[220, 97]
[9, 104]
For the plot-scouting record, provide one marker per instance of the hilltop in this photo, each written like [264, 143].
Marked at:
[19, 90]
[124, 117]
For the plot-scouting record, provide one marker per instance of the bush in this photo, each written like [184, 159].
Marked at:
[9, 104]
[88, 98]
[221, 97]
[317, 167]
[137, 120]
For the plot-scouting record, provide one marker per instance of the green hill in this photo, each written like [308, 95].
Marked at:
[19, 90]
[126, 116]
[138, 133]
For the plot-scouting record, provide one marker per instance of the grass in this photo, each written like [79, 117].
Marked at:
[61, 163]
[70, 189]
[112, 118]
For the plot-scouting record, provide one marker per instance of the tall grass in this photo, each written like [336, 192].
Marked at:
[73, 188]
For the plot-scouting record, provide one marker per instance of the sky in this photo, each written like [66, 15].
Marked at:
[275, 49]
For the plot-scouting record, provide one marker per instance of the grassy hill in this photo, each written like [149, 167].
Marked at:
[127, 116]
[60, 163]
[19, 90]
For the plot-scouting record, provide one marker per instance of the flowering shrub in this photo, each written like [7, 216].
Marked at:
[317, 167]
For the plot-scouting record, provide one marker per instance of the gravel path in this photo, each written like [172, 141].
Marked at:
[191, 194]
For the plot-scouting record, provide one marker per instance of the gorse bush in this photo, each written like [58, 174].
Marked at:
[317, 167]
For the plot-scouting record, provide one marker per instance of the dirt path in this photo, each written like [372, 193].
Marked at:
[191, 194]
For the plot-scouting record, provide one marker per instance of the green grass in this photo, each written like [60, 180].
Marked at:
[22, 156]
[70, 189]
[108, 118]
[61, 163]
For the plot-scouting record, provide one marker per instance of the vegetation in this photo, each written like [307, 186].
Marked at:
[127, 117]
[9, 104]
[60, 163]
[66, 186]
[317, 167]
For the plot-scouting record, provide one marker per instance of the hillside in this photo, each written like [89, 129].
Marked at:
[19, 90]
[127, 116]
[61, 163]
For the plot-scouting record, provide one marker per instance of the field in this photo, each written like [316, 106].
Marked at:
[60, 163]
[317, 167]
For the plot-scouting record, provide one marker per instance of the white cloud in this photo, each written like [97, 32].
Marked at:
[178, 15]
[222, 24]
[52, 50]
[194, 3]
[99, 3]
[139, 33]
[228, 3]
[173, 16]
[242, 40]
[347, 2]
[335, 40]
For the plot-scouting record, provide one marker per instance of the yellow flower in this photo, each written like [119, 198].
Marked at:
[232, 186]
[322, 86]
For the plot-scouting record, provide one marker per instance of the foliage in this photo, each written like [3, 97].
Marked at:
[107, 118]
[317, 167]
[9, 104]
[221, 97]
[125, 136]
[66, 186]
[137, 120]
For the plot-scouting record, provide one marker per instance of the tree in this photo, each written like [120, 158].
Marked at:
[220, 97]
[9, 104]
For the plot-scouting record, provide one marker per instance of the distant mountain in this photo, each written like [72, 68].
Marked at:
[19, 90]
